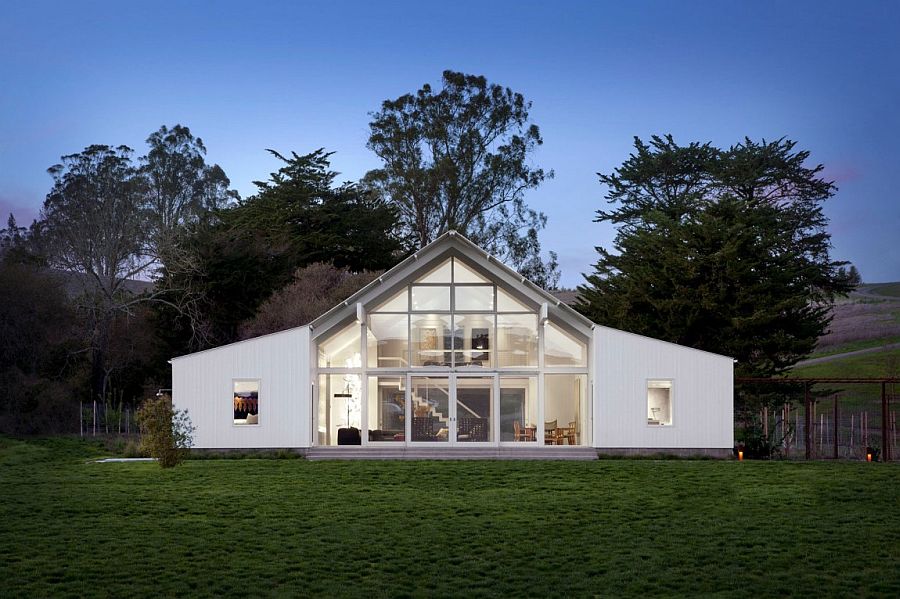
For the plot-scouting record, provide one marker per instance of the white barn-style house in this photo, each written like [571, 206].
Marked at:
[452, 353]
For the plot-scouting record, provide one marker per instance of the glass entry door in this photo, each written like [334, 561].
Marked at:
[452, 409]
[430, 407]
[474, 409]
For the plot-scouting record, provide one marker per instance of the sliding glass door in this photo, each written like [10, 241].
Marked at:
[474, 416]
[431, 407]
[452, 409]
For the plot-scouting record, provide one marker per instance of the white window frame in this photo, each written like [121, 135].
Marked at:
[259, 399]
[671, 401]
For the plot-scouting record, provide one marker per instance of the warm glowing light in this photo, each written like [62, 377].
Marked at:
[741, 455]
[868, 457]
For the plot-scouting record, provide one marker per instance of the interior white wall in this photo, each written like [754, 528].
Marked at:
[202, 384]
[702, 393]
[564, 398]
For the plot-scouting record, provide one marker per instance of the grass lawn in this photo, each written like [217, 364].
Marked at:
[394, 529]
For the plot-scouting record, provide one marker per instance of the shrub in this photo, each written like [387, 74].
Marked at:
[166, 434]
[756, 444]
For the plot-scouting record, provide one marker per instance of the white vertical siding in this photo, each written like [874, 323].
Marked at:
[202, 384]
[702, 390]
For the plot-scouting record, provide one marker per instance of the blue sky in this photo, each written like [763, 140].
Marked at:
[298, 76]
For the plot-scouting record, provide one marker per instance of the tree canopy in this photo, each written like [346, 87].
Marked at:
[298, 217]
[722, 250]
[458, 158]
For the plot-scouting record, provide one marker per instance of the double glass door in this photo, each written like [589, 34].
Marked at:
[451, 409]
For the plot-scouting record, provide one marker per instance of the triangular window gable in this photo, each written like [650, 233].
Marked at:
[439, 274]
[397, 303]
[464, 274]
[452, 270]
[507, 303]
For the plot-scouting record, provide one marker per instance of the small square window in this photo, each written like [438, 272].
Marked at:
[659, 403]
[246, 402]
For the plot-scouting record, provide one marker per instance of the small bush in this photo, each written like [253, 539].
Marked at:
[134, 449]
[166, 434]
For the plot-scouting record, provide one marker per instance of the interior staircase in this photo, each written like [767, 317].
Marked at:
[433, 410]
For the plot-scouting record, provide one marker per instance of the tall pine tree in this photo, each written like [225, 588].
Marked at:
[722, 250]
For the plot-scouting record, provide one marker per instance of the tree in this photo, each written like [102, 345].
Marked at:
[851, 275]
[37, 336]
[459, 159]
[109, 220]
[315, 289]
[181, 188]
[301, 211]
[92, 225]
[722, 250]
[12, 236]
[298, 217]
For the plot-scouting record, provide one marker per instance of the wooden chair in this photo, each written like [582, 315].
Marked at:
[572, 434]
[423, 428]
[521, 434]
[472, 429]
[551, 436]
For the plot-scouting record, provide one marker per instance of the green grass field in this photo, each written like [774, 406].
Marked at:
[887, 289]
[876, 364]
[856, 345]
[398, 529]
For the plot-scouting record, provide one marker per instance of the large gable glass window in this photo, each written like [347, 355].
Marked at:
[452, 316]
[562, 348]
[386, 345]
[517, 340]
[453, 355]
[245, 400]
[341, 350]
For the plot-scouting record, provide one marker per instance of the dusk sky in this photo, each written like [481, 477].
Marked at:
[299, 76]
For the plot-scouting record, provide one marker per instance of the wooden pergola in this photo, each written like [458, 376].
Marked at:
[808, 382]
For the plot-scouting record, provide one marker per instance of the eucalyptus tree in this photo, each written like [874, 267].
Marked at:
[460, 158]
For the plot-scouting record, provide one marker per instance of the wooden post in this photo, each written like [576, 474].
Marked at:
[885, 427]
[837, 417]
[95, 417]
[808, 432]
[822, 428]
[864, 431]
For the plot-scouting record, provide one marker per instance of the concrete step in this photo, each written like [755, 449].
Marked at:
[450, 453]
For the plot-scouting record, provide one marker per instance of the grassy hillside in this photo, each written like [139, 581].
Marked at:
[876, 364]
[886, 289]
[870, 317]
[614, 528]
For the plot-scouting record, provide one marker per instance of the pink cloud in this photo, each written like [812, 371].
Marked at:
[841, 173]
[20, 208]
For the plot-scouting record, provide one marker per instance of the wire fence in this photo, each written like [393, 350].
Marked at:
[106, 418]
[852, 419]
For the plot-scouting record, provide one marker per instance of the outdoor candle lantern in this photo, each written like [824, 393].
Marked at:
[740, 455]
[869, 456]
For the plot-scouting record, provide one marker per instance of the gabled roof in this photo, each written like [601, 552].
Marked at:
[450, 243]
